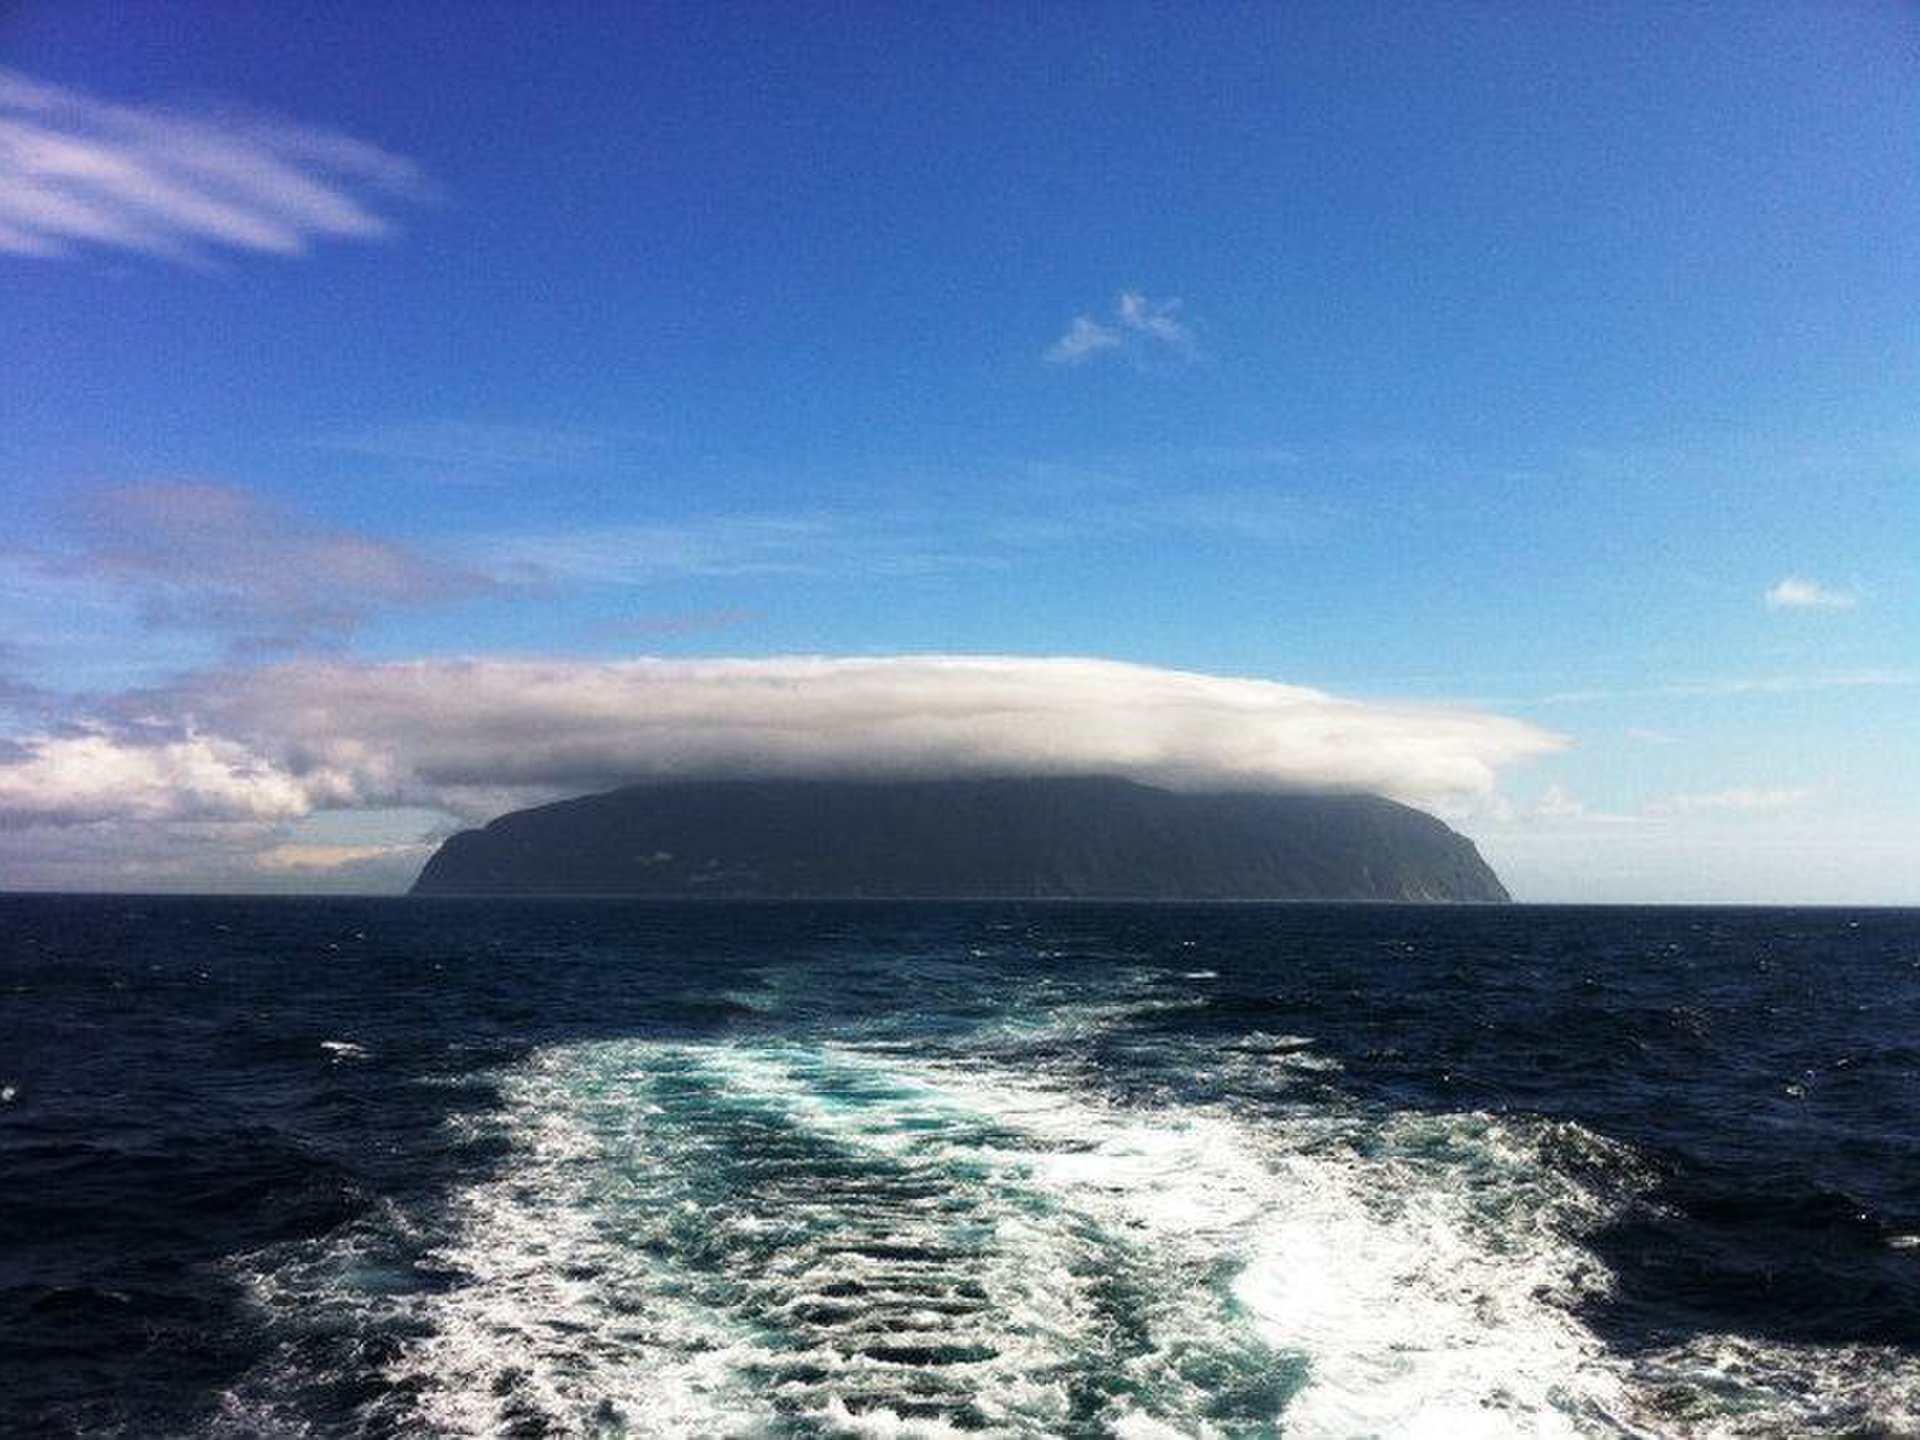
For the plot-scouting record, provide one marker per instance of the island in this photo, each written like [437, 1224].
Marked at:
[1077, 837]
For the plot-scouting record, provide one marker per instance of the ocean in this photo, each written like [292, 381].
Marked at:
[408, 1167]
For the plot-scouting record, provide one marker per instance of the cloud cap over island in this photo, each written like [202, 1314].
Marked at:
[476, 737]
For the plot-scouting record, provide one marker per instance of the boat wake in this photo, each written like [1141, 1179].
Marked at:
[731, 1238]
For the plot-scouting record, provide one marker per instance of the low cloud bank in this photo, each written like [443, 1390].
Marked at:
[477, 737]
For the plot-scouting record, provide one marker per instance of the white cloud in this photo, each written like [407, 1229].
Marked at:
[1084, 337]
[1796, 592]
[1139, 327]
[1555, 807]
[80, 171]
[73, 779]
[1556, 804]
[477, 737]
[1156, 319]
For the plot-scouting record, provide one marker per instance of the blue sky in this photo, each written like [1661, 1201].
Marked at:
[1547, 366]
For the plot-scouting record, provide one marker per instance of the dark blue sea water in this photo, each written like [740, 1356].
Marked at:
[278, 1167]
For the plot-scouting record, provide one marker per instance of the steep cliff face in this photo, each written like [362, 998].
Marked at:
[1064, 837]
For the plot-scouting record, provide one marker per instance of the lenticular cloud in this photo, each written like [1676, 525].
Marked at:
[476, 737]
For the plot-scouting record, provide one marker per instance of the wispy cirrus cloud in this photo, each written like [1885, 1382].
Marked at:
[798, 546]
[1555, 805]
[1742, 685]
[1797, 592]
[77, 171]
[678, 624]
[18, 696]
[988, 530]
[1137, 327]
[222, 560]
[484, 452]
[1738, 799]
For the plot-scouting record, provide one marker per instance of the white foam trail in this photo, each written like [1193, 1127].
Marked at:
[1424, 1300]
[1020, 1239]
[730, 1239]
[1428, 1306]
[560, 1318]
[937, 1268]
